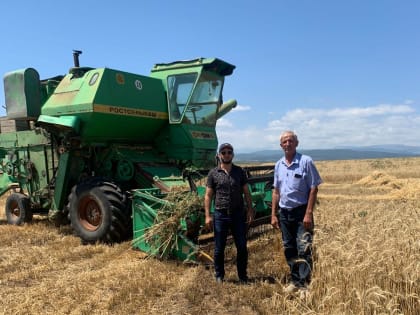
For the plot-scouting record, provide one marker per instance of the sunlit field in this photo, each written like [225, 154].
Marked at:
[367, 260]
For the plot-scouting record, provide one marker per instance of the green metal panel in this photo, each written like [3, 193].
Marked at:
[112, 105]
[194, 143]
[146, 204]
[145, 207]
[8, 140]
[27, 161]
[22, 93]
[63, 176]
[62, 123]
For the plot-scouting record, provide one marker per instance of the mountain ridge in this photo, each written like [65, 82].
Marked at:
[340, 153]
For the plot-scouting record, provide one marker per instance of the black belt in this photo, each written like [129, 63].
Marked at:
[297, 208]
[228, 211]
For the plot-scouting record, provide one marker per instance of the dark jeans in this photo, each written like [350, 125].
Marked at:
[236, 222]
[297, 243]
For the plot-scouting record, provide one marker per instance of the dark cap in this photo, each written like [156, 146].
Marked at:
[225, 145]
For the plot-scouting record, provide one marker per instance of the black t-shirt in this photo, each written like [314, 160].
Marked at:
[227, 187]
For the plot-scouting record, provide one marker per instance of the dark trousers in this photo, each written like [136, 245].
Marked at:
[297, 244]
[236, 222]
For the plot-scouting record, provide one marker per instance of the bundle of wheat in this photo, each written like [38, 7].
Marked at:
[163, 234]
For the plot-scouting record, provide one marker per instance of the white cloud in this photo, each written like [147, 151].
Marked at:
[384, 109]
[329, 128]
[224, 123]
[241, 108]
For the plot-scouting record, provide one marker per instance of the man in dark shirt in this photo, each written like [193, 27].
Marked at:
[227, 184]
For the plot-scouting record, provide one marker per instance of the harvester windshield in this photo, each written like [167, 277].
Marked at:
[194, 101]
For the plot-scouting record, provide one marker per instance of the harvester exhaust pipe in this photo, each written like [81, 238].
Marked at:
[76, 54]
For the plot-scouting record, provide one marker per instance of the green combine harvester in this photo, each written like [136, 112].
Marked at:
[101, 149]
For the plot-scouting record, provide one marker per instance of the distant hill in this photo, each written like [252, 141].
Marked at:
[349, 153]
[390, 148]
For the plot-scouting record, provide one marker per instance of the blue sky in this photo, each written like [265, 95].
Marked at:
[338, 73]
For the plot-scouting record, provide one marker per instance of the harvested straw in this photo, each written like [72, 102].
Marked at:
[163, 234]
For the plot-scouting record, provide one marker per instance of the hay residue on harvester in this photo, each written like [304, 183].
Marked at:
[163, 235]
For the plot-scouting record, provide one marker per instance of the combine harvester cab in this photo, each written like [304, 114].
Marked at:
[102, 149]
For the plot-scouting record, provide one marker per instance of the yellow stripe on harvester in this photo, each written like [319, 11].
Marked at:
[126, 111]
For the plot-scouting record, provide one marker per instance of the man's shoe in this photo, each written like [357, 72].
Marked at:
[219, 279]
[303, 293]
[291, 288]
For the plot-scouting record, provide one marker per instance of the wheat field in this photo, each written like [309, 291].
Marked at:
[367, 260]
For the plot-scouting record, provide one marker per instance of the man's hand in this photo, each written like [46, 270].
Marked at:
[209, 222]
[207, 204]
[275, 222]
[308, 221]
[275, 197]
[250, 215]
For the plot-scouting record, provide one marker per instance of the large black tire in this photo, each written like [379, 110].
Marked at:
[99, 212]
[18, 209]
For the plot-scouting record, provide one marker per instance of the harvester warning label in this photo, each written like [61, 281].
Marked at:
[125, 111]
